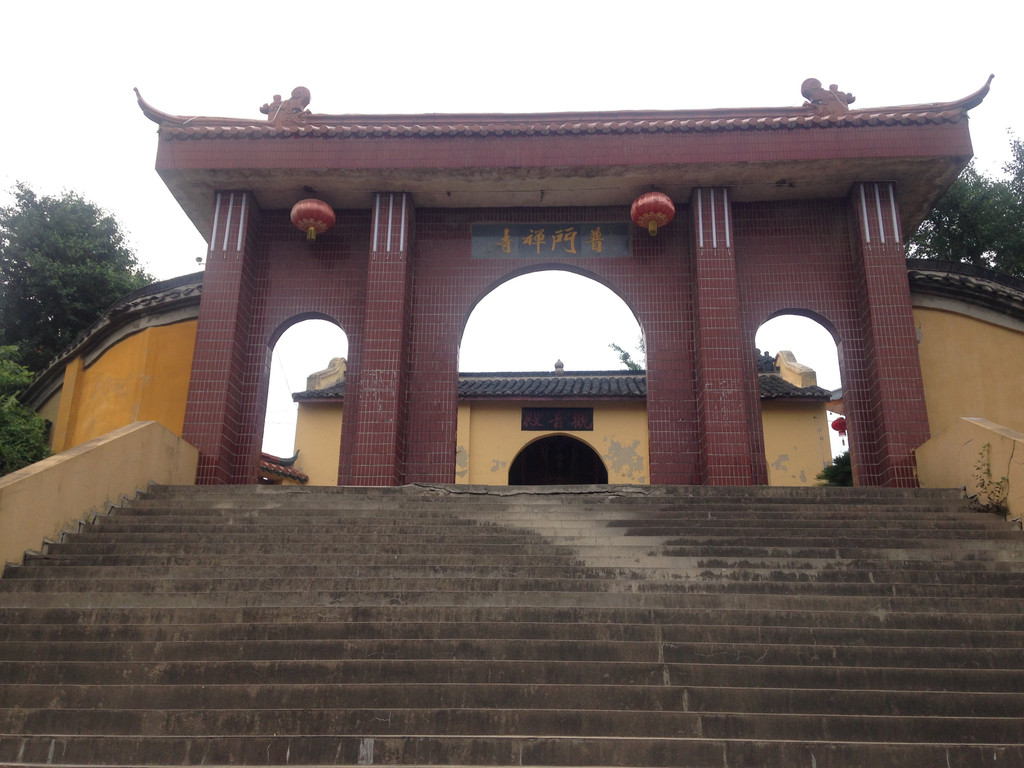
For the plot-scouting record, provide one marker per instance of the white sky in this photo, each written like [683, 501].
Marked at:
[70, 119]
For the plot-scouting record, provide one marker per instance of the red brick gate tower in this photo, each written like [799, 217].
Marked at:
[798, 209]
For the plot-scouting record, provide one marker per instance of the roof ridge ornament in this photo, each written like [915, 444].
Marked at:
[292, 110]
[831, 102]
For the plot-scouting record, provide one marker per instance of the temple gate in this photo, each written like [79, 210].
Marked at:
[799, 209]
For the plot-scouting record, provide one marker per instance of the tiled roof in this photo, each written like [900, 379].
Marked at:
[275, 465]
[775, 387]
[980, 287]
[674, 121]
[581, 385]
[333, 392]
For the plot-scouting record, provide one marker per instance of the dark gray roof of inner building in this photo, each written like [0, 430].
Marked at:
[547, 385]
[774, 386]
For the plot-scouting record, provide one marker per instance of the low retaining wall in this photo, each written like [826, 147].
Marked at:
[39, 501]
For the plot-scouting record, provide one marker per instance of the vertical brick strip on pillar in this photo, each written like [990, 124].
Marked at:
[380, 430]
[725, 383]
[215, 407]
[888, 417]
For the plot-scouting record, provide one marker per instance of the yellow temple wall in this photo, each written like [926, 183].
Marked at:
[50, 410]
[490, 435]
[318, 441]
[143, 377]
[970, 368]
[796, 441]
[972, 364]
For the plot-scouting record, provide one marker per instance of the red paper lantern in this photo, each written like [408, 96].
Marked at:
[839, 425]
[314, 217]
[652, 210]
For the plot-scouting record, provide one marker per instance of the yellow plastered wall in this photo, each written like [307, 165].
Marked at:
[318, 441]
[40, 500]
[50, 410]
[143, 377]
[970, 368]
[796, 441]
[984, 458]
[463, 443]
[490, 435]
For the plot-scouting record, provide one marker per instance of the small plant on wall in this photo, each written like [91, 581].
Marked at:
[991, 495]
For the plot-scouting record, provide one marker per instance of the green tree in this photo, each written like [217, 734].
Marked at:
[63, 261]
[22, 433]
[839, 472]
[627, 359]
[979, 221]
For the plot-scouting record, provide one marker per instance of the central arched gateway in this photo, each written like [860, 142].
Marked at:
[774, 208]
[557, 460]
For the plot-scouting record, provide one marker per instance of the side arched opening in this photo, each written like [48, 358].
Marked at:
[801, 396]
[307, 359]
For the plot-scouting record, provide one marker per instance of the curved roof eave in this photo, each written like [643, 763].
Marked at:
[729, 118]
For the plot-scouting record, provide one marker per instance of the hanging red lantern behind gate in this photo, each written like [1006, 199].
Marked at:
[314, 217]
[839, 425]
[652, 210]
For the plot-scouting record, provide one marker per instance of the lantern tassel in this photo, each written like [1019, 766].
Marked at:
[311, 233]
[652, 228]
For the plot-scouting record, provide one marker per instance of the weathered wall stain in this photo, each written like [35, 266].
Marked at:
[624, 459]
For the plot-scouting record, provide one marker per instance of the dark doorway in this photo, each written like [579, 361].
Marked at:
[558, 460]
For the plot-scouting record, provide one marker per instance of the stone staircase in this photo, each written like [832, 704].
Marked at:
[453, 625]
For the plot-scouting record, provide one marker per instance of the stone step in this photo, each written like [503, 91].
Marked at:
[446, 583]
[708, 597]
[836, 514]
[534, 498]
[352, 537]
[579, 494]
[461, 649]
[689, 698]
[535, 545]
[829, 572]
[539, 722]
[443, 750]
[452, 625]
[790, 633]
[605, 494]
[714, 614]
[167, 523]
[489, 536]
[954, 567]
[715, 672]
[612, 526]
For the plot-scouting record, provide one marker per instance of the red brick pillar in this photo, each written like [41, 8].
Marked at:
[887, 417]
[727, 406]
[377, 456]
[220, 418]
